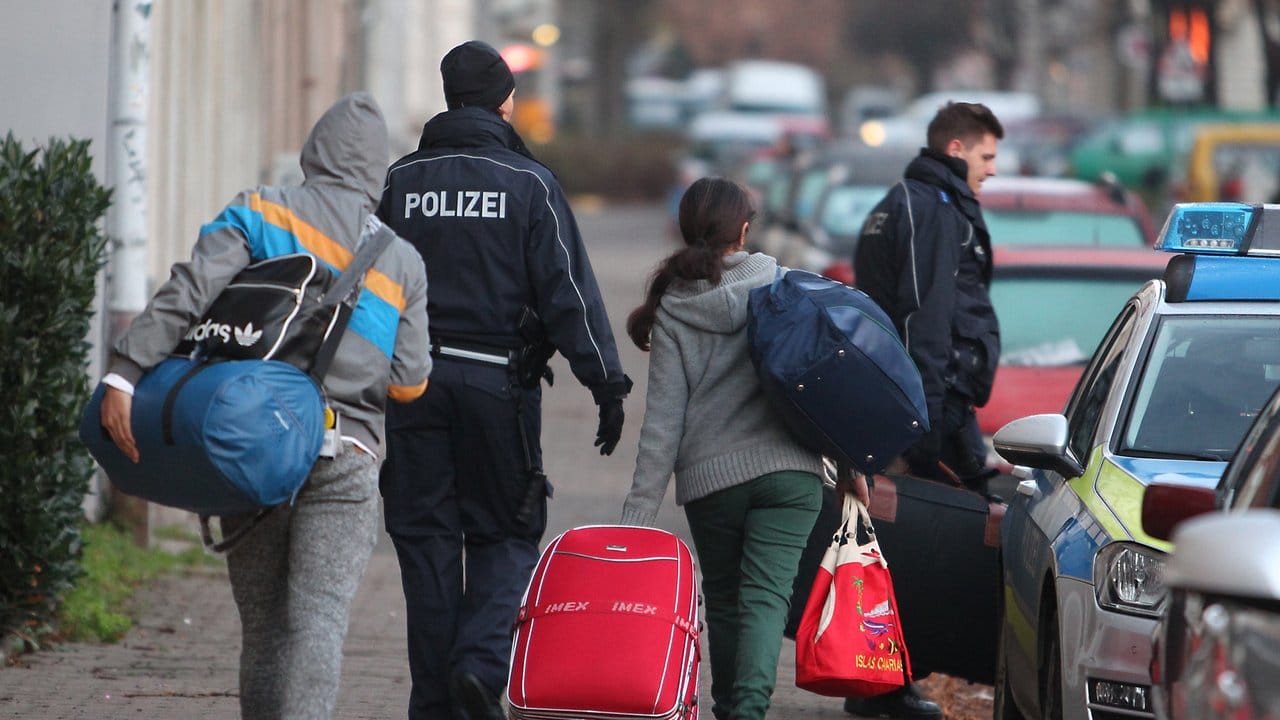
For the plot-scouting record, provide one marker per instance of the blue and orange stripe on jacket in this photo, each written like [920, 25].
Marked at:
[273, 230]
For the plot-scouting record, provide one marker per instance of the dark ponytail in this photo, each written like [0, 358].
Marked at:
[712, 212]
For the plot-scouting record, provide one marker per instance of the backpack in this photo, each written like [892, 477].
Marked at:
[834, 368]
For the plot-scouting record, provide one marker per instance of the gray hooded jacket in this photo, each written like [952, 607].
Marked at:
[385, 349]
[706, 418]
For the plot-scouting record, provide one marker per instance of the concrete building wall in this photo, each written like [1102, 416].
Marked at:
[238, 85]
[56, 72]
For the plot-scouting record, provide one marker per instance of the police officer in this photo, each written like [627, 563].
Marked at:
[510, 284]
[924, 256]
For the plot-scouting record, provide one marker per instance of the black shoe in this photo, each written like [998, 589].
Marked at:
[476, 700]
[904, 703]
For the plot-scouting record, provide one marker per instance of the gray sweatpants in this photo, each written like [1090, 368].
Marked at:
[293, 578]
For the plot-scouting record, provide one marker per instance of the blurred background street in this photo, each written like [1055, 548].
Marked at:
[1113, 111]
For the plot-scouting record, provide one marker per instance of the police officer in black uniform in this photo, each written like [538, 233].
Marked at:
[510, 284]
[924, 256]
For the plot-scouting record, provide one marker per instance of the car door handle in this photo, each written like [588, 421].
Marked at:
[1027, 487]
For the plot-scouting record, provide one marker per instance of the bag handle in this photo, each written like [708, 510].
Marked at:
[854, 511]
[230, 541]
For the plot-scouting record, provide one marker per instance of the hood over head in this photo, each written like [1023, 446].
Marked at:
[720, 308]
[348, 146]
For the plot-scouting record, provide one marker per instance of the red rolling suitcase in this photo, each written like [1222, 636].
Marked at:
[608, 629]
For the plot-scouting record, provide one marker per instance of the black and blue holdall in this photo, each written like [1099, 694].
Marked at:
[234, 422]
[833, 366]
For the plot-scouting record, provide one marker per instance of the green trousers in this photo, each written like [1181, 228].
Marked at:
[749, 538]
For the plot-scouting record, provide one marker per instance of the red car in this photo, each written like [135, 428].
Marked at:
[1054, 305]
[1048, 212]
[1043, 211]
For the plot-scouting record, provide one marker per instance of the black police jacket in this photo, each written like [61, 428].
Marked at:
[924, 255]
[496, 234]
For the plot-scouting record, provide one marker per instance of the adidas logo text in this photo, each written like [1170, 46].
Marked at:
[209, 329]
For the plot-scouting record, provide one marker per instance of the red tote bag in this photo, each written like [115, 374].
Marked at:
[849, 643]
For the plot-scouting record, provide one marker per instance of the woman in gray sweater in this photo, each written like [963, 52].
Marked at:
[751, 493]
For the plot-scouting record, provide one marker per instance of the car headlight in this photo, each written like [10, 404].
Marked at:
[1129, 578]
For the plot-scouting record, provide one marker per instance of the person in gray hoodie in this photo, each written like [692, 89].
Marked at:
[750, 491]
[294, 576]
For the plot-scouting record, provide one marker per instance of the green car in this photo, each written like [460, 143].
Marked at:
[1144, 149]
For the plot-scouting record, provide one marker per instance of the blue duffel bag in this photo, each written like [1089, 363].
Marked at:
[834, 368]
[229, 427]
[215, 438]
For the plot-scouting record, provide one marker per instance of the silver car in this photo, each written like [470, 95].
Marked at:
[1217, 644]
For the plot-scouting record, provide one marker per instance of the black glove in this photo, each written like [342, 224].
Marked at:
[610, 430]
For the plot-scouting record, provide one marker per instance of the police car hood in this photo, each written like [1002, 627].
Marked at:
[1122, 480]
[720, 308]
[348, 147]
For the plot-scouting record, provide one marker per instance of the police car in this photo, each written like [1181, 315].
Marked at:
[1179, 377]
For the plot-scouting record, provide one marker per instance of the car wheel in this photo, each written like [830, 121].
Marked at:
[1051, 672]
[1004, 707]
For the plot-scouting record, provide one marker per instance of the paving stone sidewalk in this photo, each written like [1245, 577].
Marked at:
[180, 661]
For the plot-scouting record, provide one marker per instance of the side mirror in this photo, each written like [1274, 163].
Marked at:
[1208, 555]
[1038, 441]
[1165, 505]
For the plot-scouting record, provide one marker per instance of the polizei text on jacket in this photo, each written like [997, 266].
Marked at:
[456, 203]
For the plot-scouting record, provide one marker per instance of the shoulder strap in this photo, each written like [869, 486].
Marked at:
[373, 241]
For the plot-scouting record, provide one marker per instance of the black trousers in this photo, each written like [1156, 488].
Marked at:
[455, 480]
[963, 449]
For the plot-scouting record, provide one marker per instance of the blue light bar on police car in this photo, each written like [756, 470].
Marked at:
[1210, 228]
[1222, 228]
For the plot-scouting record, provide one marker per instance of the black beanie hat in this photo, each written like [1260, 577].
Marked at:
[475, 75]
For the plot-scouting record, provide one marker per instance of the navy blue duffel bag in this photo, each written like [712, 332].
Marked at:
[835, 369]
[215, 438]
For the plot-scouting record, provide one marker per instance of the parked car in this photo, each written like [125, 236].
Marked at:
[776, 88]
[1234, 162]
[1167, 396]
[908, 127]
[1217, 643]
[1144, 149]
[823, 241]
[868, 102]
[1040, 212]
[1040, 145]
[1064, 212]
[1054, 306]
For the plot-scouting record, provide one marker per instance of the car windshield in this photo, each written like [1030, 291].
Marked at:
[1052, 321]
[761, 171]
[1206, 380]
[811, 185]
[1059, 227]
[775, 196]
[847, 206]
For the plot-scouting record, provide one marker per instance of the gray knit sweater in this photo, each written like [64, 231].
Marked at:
[706, 418]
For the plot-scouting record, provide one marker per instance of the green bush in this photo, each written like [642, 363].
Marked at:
[51, 249]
